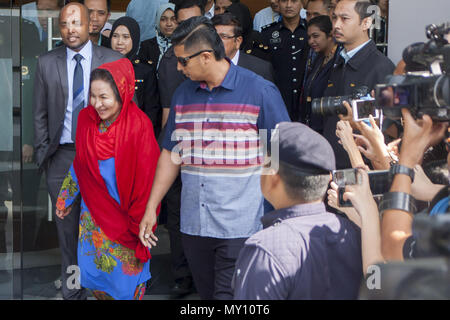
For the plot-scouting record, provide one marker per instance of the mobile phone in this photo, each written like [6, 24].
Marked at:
[346, 177]
[341, 202]
[362, 109]
[380, 182]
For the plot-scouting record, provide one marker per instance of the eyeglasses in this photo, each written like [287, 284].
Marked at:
[225, 36]
[184, 61]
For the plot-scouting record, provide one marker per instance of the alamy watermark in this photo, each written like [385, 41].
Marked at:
[226, 147]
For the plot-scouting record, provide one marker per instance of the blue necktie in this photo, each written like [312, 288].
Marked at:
[78, 94]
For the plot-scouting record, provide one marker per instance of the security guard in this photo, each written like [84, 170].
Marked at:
[287, 41]
[304, 252]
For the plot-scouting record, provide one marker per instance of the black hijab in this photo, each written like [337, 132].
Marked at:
[135, 33]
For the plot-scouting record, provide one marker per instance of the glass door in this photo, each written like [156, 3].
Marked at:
[40, 250]
[7, 258]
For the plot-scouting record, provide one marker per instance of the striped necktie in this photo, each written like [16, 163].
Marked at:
[78, 94]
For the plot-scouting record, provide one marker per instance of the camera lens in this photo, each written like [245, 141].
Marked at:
[329, 106]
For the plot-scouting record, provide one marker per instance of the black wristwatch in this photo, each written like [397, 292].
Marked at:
[400, 169]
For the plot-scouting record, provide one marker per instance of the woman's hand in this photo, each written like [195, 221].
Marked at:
[146, 234]
[344, 132]
[62, 213]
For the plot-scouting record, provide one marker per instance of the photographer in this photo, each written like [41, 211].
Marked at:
[396, 224]
[360, 63]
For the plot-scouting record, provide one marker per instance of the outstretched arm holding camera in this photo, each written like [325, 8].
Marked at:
[362, 199]
[365, 214]
[396, 225]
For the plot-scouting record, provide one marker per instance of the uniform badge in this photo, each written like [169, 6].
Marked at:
[275, 34]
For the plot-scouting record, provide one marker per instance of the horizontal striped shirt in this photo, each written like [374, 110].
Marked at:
[218, 135]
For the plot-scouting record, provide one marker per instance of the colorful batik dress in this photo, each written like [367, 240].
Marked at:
[108, 269]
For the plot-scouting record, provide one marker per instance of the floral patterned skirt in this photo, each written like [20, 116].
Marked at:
[108, 269]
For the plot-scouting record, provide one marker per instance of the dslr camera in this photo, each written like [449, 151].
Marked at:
[329, 106]
[425, 89]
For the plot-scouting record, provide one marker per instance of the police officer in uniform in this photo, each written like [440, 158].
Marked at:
[287, 41]
[125, 35]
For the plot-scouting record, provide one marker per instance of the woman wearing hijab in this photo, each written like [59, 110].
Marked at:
[153, 49]
[113, 172]
[125, 35]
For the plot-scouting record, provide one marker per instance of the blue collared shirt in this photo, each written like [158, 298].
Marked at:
[86, 52]
[304, 252]
[348, 55]
[220, 170]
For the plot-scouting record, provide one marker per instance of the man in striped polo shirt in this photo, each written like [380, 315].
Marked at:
[219, 120]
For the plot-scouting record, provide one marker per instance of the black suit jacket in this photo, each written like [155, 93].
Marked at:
[257, 65]
[367, 67]
[51, 95]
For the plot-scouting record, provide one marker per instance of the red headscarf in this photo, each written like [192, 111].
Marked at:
[130, 140]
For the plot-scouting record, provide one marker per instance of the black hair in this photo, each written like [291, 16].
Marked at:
[323, 23]
[186, 4]
[232, 1]
[105, 75]
[108, 4]
[306, 188]
[362, 8]
[228, 19]
[196, 32]
[325, 3]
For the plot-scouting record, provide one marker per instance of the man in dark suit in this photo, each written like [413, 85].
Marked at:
[60, 91]
[230, 31]
[359, 64]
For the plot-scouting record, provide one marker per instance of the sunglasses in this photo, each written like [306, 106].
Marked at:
[184, 61]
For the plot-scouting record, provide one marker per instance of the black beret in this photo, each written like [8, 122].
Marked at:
[304, 149]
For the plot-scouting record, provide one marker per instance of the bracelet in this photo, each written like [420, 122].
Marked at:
[401, 169]
[398, 201]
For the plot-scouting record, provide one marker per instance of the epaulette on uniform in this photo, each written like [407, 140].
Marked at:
[267, 26]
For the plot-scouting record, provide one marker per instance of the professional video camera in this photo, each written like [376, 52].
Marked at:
[425, 89]
[426, 277]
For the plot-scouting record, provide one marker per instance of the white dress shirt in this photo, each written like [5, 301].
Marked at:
[86, 53]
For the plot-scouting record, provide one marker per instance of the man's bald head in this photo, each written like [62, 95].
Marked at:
[74, 25]
[71, 7]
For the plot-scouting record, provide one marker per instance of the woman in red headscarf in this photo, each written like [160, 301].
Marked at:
[113, 171]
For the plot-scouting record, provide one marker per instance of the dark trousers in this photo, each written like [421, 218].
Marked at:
[67, 228]
[172, 200]
[212, 262]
